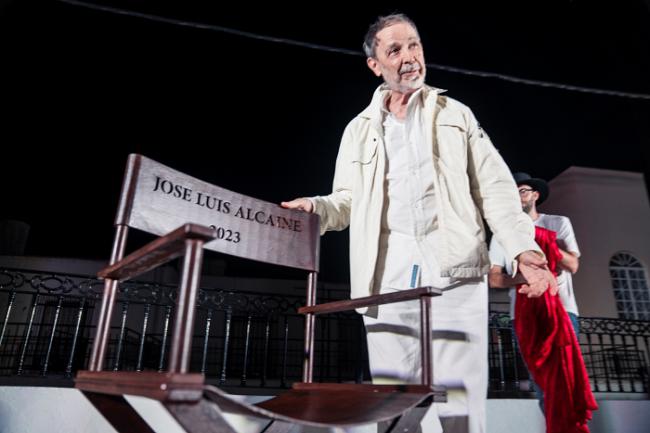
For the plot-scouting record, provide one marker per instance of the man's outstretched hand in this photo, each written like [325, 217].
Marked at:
[538, 277]
[299, 204]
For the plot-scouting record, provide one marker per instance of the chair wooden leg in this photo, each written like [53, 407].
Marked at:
[202, 417]
[409, 422]
[118, 412]
[278, 427]
[455, 424]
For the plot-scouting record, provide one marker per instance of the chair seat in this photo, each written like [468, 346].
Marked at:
[327, 404]
[315, 404]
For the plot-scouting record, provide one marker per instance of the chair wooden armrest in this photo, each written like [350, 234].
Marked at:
[164, 386]
[369, 301]
[157, 252]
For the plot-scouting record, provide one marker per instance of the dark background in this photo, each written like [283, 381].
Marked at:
[81, 89]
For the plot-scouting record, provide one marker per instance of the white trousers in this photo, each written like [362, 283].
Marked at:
[459, 351]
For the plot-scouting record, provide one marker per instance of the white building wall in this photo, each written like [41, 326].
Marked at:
[610, 213]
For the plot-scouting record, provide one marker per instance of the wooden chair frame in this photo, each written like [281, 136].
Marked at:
[162, 201]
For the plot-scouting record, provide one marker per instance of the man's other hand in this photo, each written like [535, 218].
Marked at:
[538, 277]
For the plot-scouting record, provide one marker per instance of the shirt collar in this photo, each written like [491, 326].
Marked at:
[374, 110]
[416, 99]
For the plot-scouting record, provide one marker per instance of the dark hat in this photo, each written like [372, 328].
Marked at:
[537, 184]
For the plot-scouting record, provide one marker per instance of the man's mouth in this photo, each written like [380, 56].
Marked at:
[410, 72]
[410, 75]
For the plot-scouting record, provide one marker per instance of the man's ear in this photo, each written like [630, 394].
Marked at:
[536, 196]
[374, 66]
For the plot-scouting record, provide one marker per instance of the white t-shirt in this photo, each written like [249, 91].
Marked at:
[566, 240]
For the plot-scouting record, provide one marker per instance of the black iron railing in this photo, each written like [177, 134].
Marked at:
[242, 339]
[246, 339]
[616, 354]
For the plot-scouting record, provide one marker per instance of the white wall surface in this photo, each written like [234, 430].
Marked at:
[65, 410]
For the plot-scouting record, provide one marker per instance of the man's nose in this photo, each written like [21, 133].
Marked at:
[408, 57]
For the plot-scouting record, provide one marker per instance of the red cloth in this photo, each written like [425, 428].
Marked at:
[549, 346]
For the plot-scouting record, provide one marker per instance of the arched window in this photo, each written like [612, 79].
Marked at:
[630, 287]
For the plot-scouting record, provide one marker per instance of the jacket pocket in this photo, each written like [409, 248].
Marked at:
[451, 148]
[366, 153]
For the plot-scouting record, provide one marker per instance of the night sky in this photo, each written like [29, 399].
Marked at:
[81, 89]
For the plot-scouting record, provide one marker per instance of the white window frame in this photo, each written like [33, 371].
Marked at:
[630, 286]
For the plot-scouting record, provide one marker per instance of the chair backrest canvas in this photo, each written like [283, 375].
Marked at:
[158, 199]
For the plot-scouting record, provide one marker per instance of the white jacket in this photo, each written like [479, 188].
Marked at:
[471, 181]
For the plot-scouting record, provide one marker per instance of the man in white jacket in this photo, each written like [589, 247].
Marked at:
[414, 176]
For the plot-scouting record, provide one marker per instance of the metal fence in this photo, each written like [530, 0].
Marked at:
[615, 352]
[247, 340]
[241, 339]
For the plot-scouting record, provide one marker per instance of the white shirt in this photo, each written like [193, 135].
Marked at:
[409, 217]
[566, 240]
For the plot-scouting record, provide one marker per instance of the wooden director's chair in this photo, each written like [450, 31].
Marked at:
[172, 205]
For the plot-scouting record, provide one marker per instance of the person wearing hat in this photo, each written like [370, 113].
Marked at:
[532, 192]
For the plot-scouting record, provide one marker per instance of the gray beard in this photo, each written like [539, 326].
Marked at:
[409, 87]
[414, 85]
[527, 207]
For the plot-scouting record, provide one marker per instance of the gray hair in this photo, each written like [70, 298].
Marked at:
[370, 41]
